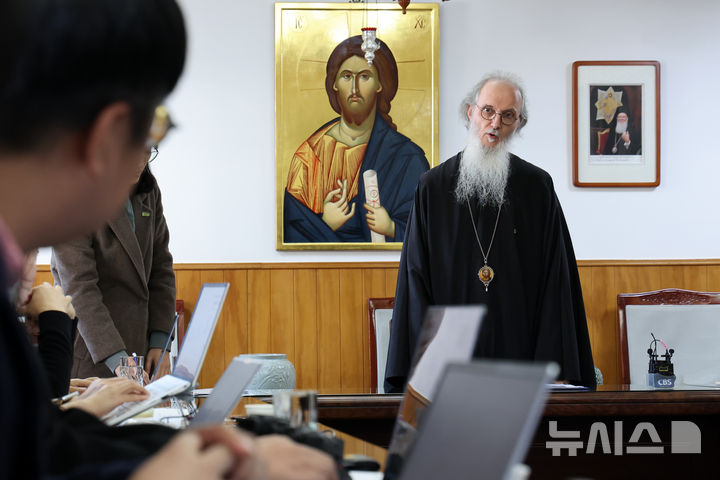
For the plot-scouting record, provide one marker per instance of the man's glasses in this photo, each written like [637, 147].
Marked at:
[508, 117]
[151, 155]
[161, 125]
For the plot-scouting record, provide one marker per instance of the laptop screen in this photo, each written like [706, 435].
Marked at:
[200, 331]
[448, 334]
[481, 420]
[227, 392]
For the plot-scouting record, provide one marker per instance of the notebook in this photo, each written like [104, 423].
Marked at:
[191, 357]
[227, 392]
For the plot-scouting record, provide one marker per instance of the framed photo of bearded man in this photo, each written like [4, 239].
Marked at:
[616, 123]
[352, 138]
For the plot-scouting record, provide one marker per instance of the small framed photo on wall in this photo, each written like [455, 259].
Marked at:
[616, 123]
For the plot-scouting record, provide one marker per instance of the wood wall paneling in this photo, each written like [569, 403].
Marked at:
[689, 277]
[44, 276]
[188, 284]
[713, 276]
[328, 328]
[282, 313]
[316, 313]
[638, 279]
[600, 312]
[390, 281]
[340, 362]
[351, 331]
[214, 364]
[258, 301]
[306, 328]
[236, 317]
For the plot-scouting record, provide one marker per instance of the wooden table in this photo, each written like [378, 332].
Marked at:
[365, 416]
[371, 417]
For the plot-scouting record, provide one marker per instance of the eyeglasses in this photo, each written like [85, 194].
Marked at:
[508, 117]
[161, 125]
[151, 155]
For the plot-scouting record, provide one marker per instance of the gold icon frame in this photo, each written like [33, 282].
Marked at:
[305, 35]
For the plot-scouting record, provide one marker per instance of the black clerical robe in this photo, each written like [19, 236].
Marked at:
[534, 304]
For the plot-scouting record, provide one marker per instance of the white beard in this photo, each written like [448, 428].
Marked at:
[621, 127]
[483, 171]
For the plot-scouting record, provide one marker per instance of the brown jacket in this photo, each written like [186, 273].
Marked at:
[122, 285]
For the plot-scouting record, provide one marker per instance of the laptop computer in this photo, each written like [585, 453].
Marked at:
[191, 357]
[226, 393]
[448, 334]
[481, 420]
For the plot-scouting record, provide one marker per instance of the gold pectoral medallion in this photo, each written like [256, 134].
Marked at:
[486, 275]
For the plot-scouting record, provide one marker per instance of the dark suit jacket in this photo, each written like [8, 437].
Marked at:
[122, 284]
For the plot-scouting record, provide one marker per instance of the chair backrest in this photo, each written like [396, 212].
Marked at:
[380, 317]
[688, 321]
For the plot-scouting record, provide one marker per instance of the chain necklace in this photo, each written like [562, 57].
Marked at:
[486, 273]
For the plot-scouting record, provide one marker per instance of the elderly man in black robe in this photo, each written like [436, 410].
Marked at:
[624, 138]
[487, 228]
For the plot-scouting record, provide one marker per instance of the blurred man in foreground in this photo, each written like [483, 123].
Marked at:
[79, 83]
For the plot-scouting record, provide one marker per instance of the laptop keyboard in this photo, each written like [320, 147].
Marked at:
[127, 406]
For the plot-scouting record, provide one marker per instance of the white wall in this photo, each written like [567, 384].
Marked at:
[217, 171]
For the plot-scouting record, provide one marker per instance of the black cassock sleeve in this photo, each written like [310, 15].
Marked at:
[412, 297]
[563, 334]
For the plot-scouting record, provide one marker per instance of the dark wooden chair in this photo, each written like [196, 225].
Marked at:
[380, 317]
[687, 324]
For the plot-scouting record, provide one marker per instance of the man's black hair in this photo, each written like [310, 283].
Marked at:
[63, 61]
